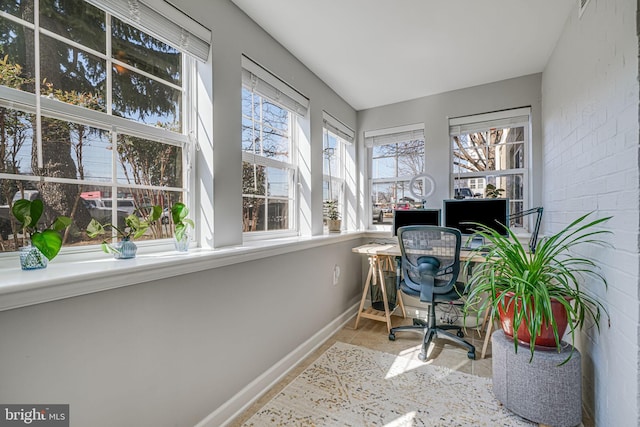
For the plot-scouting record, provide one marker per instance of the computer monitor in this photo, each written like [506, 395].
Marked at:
[461, 214]
[403, 217]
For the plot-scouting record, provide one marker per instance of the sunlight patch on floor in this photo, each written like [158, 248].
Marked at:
[405, 420]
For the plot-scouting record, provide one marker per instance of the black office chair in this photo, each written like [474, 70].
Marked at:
[430, 267]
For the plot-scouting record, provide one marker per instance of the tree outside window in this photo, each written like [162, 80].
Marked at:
[395, 160]
[267, 168]
[489, 157]
[66, 153]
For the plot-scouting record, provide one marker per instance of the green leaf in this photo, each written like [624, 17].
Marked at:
[94, 228]
[27, 212]
[156, 213]
[48, 241]
[61, 223]
[179, 212]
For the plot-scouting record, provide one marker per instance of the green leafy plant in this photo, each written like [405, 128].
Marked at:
[332, 209]
[492, 192]
[135, 227]
[49, 240]
[510, 277]
[179, 212]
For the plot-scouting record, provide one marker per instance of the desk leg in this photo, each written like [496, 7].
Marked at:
[367, 283]
[487, 337]
[383, 289]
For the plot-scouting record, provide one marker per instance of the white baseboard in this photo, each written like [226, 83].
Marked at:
[232, 408]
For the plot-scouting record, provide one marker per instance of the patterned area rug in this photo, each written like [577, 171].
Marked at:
[354, 386]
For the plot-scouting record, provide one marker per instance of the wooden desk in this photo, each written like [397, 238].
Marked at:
[381, 256]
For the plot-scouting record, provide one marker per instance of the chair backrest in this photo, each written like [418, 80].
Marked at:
[430, 251]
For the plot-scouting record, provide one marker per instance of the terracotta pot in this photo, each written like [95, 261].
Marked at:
[546, 338]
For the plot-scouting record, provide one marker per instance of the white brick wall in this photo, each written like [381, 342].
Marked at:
[590, 162]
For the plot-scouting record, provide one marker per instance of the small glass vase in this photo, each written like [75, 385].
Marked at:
[32, 259]
[126, 249]
[182, 245]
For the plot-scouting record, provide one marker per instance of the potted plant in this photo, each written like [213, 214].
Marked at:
[135, 227]
[492, 192]
[181, 224]
[537, 295]
[43, 245]
[333, 216]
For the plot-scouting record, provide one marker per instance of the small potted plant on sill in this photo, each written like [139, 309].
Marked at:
[334, 223]
[181, 225]
[135, 227]
[43, 245]
[538, 295]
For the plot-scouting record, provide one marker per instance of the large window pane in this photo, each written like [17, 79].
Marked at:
[73, 76]
[145, 53]
[253, 213]
[254, 179]
[15, 71]
[278, 182]
[274, 145]
[75, 20]
[145, 162]
[145, 100]
[16, 141]
[18, 8]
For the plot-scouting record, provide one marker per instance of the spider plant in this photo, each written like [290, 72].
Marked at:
[511, 278]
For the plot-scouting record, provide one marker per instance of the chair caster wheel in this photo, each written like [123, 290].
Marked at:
[471, 355]
[392, 337]
[422, 357]
[460, 334]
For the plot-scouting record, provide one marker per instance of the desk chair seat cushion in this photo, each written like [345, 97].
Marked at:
[453, 295]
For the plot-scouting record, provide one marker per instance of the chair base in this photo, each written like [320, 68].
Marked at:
[431, 331]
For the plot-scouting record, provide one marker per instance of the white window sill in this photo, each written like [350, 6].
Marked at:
[72, 275]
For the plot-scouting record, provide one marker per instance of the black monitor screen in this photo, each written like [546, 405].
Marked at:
[403, 217]
[460, 214]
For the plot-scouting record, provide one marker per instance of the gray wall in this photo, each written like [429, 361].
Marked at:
[234, 34]
[170, 352]
[435, 111]
[590, 119]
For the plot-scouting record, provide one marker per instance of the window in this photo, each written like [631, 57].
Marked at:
[336, 137]
[95, 112]
[489, 155]
[268, 150]
[396, 156]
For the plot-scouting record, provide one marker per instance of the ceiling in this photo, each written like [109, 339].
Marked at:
[378, 52]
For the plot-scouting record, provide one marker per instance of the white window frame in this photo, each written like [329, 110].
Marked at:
[290, 166]
[336, 180]
[389, 136]
[519, 117]
[43, 106]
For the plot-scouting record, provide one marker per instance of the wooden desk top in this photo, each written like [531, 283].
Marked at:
[392, 249]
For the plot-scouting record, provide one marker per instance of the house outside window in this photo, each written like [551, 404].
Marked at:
[96, 113]
[397, 155]
[489, 152]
